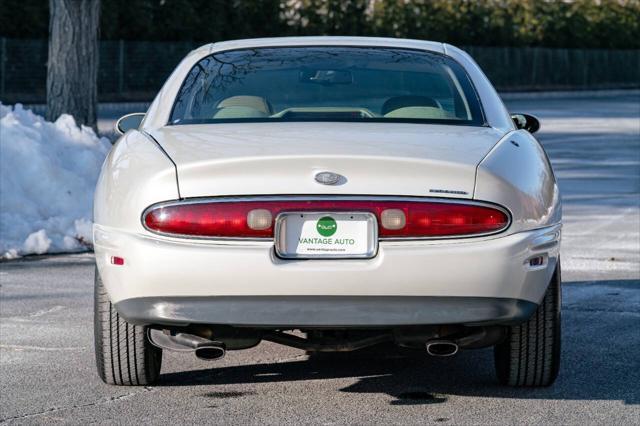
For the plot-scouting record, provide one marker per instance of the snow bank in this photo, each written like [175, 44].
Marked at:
[48, 172]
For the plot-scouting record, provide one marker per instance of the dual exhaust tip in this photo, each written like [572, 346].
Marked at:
[210, 350]
[216, 350]
[203, 348]
[442, 348]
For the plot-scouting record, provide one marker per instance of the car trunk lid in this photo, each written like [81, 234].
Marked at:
[283, 158]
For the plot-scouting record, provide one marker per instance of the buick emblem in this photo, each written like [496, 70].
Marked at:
[327, 178]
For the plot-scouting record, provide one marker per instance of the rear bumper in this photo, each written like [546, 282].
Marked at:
[318, 311]
[479, 280]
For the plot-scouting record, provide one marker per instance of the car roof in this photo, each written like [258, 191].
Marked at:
[320, 41]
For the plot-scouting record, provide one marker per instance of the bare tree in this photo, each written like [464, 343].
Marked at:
[72, 68]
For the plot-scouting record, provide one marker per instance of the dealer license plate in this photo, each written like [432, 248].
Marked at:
[305, 235]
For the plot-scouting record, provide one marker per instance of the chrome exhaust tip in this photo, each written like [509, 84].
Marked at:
[442, 348]
[203, 348]
[210, 352]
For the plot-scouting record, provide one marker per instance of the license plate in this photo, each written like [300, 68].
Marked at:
[306, 235]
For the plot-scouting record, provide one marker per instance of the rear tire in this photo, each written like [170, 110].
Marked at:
[124, 355]
[530, 354]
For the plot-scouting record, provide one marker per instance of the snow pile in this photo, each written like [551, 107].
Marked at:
[48, 172]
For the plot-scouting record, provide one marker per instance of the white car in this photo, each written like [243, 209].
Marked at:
[330, 194]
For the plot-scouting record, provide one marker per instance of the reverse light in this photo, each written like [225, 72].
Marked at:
[255, 218]
[393, 219]
[259, 219]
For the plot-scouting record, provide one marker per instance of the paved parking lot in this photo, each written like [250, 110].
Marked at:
[47, 372]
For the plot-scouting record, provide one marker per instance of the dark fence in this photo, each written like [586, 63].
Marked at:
[135, 70]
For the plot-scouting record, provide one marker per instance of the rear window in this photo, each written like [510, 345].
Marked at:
[327, 84]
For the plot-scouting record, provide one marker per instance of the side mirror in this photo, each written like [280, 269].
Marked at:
[526, 121]
[128, 122]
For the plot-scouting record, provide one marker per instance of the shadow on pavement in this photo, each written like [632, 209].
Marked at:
[597, 362]
[411, 380]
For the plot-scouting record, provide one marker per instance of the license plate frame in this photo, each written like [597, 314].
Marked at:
[285, 233]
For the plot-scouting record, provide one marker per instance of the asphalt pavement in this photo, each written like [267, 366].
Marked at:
[47, 371]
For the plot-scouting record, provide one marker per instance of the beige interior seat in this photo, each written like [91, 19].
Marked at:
[254, 102]
[233, 112]
[404, 101]
[418, 112]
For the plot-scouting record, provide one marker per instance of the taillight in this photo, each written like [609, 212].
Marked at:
[255, 218]
[427, 219]
[214, 219]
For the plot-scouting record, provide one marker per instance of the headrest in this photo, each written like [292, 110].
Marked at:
[255, 102]
[408, 101]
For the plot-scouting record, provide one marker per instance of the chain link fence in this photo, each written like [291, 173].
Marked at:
[135, 70]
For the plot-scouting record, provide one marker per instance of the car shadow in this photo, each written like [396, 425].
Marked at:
[598, 361]
[411, 380]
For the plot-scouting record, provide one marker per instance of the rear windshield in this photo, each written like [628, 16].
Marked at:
[327, 84]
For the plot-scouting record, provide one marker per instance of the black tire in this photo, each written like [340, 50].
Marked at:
[124, 355]
[530, 354]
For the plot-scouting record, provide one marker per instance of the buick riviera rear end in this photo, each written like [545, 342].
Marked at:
[329, 194]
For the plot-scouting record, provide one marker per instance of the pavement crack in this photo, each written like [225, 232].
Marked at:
[37, 314]
[46, 311]
[105, 401]
[39, 348]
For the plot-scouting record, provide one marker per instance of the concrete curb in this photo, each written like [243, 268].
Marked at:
[103, 108]
[118, 107]
[569, 94]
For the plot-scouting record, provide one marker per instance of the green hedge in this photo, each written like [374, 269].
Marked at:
[548, 23]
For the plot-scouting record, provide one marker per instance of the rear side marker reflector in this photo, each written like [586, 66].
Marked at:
[536, 261]
[118, 261]
[255, 218]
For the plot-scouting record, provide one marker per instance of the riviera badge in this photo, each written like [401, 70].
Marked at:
[328, 178]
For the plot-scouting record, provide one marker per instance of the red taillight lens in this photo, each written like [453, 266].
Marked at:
[239, 218]
[443, 219]
[206, 220]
